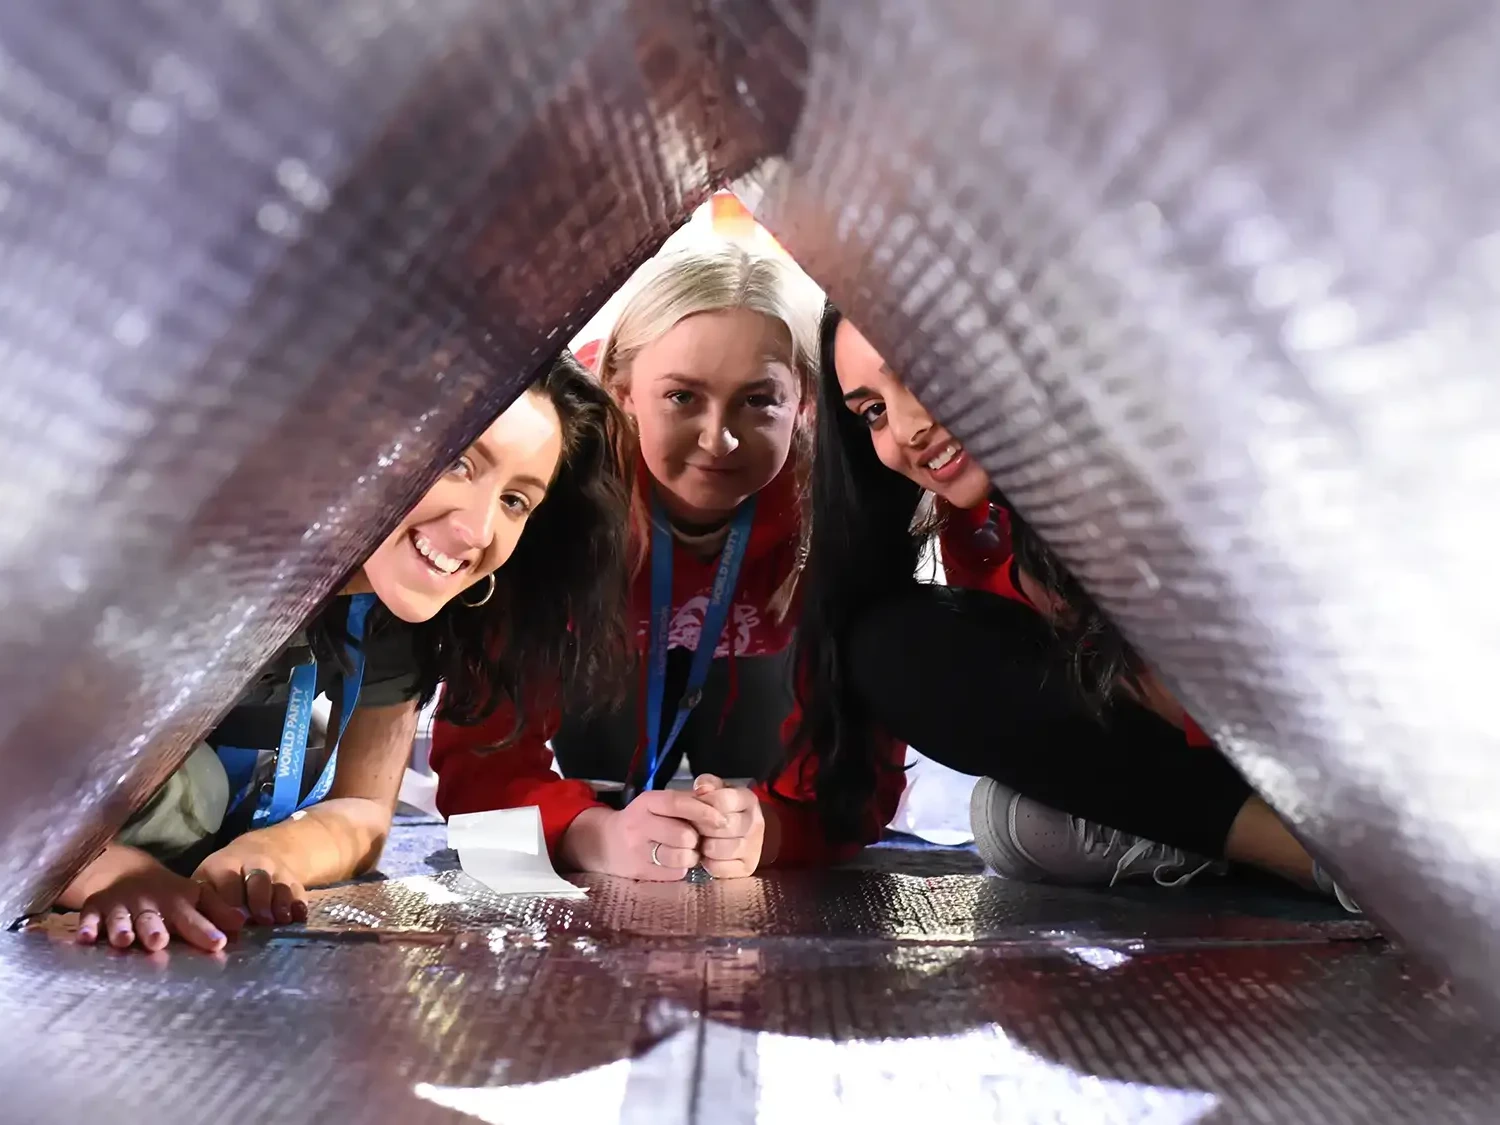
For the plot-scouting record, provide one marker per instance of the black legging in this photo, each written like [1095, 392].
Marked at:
[978, 683]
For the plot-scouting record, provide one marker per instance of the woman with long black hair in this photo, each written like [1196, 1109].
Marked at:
[508, 573]
[1090, 771]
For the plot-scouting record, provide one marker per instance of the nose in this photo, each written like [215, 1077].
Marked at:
[474, 520]
[909, 421]
[716, 438]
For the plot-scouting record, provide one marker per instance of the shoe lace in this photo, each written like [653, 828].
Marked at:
[1093, 837]
[1098, 839]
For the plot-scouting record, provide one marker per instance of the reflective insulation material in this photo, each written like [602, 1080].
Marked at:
[266, 266]
[859, 996]
[1211, 290]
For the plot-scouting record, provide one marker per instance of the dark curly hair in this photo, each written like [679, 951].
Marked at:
[865, 547]
[555, 627]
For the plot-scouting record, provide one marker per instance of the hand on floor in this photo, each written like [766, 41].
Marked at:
[251, 879]
[732, 851]
[147, 904]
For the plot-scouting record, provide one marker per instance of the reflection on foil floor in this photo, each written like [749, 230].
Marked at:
[852, 995]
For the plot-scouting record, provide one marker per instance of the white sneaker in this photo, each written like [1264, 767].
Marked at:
[1023, 839]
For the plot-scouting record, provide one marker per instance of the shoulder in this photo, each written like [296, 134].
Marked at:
[390, 648]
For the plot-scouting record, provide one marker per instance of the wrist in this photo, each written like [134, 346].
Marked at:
[253, 849]
[582, 845]
[114, 863]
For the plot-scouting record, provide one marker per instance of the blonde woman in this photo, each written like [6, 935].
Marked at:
[711, 359]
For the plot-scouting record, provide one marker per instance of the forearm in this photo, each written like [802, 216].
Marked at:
[582, 847]
[334, 840]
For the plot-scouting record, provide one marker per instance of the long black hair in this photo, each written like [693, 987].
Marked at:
[862, 549]
[556, 626]
[865, 547]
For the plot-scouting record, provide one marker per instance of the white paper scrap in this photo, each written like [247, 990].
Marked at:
[505, 850]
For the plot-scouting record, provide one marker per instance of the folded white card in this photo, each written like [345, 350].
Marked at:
[505, 850]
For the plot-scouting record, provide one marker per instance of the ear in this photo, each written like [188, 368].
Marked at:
[807, 416]
[617, 383]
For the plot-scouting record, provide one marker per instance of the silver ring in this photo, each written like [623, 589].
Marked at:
[245, 878]
[656, 847]
[139, 914]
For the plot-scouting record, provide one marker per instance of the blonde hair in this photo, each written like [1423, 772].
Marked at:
[717, 278]
[714, 278]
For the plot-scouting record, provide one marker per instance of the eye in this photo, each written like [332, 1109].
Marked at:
[872, 413]
[679, 397]
[516, 503]
[762, 401]
[463, 468]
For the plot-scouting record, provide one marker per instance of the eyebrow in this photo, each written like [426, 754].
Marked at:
[860, 392]
[486, 450]
[762, 383]
[535, 482]
[481, 447]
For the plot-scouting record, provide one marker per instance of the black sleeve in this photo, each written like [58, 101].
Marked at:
[390, 666]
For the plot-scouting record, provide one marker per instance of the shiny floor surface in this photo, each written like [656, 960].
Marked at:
[895, 991]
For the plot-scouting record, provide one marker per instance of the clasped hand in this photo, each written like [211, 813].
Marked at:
[663, 834]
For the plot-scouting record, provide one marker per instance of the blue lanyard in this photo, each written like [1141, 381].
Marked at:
[291, 754]
[661, 620]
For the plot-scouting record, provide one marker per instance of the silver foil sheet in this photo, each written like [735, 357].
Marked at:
[265, 266]
[1209, 288]
[428, 1000]
[1211, 291]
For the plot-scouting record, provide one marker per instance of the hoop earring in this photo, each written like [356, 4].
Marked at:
[488, 594]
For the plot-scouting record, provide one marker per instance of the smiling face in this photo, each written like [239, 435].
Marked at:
[907, 439]
[715, 402]
[468, 523]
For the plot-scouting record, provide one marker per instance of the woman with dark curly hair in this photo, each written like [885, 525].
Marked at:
[1090, 771]
[510, 572]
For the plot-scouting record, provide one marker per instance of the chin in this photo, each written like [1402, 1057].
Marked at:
[404, 604]
[710, 499]
[969, 491]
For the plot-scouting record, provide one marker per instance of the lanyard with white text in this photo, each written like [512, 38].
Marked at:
[291, 754]
[714, 618]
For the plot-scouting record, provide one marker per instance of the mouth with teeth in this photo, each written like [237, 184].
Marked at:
[440, 563]
[946, 462]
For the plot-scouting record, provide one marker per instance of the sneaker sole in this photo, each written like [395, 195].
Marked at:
[990, 807]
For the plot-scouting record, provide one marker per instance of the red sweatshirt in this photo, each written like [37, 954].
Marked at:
[521, 774]
[976, 559]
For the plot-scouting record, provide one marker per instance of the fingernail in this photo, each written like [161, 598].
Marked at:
[217, 936]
